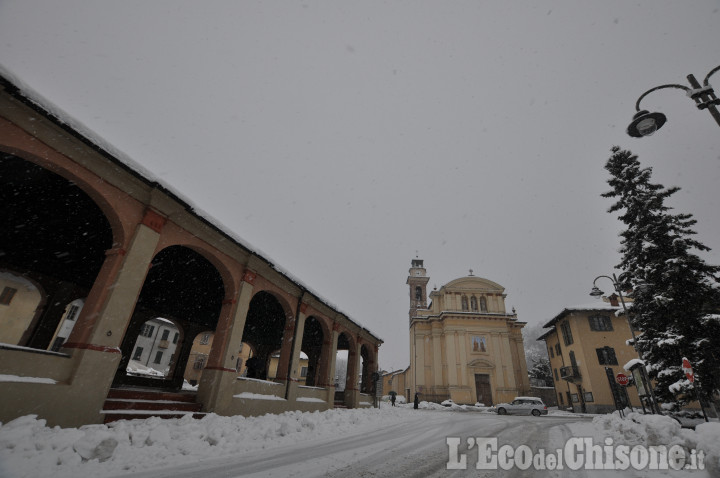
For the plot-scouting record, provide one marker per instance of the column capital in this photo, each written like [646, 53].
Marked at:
[154, 220]
[249, 277]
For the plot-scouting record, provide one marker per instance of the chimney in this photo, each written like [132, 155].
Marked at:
[614, 300]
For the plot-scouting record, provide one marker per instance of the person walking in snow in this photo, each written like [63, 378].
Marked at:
[392, 399]
[416, 402]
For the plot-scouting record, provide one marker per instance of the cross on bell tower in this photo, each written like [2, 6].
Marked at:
[417, 280]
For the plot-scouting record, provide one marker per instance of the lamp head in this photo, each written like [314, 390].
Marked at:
[595, 292]
[645, 123]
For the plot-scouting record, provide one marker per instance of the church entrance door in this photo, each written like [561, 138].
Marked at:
[483, 390]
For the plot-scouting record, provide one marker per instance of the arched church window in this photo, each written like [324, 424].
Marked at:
[418, 293]
[473, 303]
[483, 304]
[464, 302]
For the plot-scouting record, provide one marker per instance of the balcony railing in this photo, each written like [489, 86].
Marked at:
[570, 373]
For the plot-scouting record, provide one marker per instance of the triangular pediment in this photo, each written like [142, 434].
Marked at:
[474, 283]
[481, 363]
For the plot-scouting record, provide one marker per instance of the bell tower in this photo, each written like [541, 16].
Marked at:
[417, 281]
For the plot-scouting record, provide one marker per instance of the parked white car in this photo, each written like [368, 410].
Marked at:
[523, 406]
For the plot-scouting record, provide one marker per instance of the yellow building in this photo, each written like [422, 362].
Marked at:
[464, 345]
[395, 382]
[19, 300]
[587, 349]
[202, 346]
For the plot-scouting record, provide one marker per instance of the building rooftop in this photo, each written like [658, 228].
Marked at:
[597, 305]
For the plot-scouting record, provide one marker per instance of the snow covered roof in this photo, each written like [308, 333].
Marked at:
[597, 305]
[546, 335]
[27, 95]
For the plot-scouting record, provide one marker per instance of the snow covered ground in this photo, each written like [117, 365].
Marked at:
[655, 430]
[28, 448]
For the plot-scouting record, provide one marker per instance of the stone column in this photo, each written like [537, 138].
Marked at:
[293, 374]
[437, 357]
[286, 349]
[326, 361]
[218, 378]
[451, 359]
[330, 376]
[464, 379]
[102, 324]
[351, 381]
[419, 358]
[507, 353]
[95, 340]
[520, 365]
[497, 356]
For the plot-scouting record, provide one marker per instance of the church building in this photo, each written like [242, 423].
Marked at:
[464, 345]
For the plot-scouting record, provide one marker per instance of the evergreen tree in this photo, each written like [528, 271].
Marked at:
[672, 287]
[541, 371]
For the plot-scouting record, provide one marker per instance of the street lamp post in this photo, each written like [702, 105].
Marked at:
[645, 123]
[596, 292]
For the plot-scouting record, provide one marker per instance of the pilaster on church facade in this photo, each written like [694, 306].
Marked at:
[464, 344]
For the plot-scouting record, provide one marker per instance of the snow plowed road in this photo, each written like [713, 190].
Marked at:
[416, 448]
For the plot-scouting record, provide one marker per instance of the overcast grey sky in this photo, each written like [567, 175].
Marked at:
[340, 137]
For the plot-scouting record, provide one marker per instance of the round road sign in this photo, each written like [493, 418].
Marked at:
[622, 379]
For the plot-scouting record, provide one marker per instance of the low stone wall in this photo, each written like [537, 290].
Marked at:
[67, 391]
[366, 400]
[547, 394]
[309, 399]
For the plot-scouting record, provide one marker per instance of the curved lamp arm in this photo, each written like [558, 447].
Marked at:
[600, 277]
[681, 87]
[707, 77]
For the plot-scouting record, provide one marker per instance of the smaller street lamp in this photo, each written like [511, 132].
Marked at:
[645, 123]
[596, 292]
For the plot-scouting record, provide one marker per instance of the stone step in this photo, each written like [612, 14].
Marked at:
[126, 404]
[149, 394]
[137, 403]
[115, 415]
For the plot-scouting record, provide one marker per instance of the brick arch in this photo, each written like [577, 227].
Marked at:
[368, 357]
[325, 323]
[229, 270]
[107, 198]
[372, 350]
[352, 338]
[316, 349]
[325, 362]
[183, 286]
[222, 265]
[88, 271]
[269, 326]
[352, 358]
[287, 308]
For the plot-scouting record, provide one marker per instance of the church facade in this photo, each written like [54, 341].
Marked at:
[464, 345]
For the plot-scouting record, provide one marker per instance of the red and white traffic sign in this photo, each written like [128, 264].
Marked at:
[622, 379]
[687, 370]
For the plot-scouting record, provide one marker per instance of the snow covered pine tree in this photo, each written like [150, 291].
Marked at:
[541, 371]
[671, 286]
